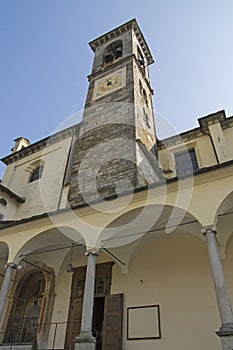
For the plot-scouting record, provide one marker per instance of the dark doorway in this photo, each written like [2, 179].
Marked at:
[107, 312]
[98, 318]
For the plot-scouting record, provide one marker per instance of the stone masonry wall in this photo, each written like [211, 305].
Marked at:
[103, 156]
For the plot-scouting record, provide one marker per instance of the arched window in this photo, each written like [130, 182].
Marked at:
[23, 322]
[3, 202]
[141, 58]
[145, 97]
[36, 173]
[113, 51]
[146, 118]
[140, 87]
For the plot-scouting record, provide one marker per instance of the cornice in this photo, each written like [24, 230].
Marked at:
[40, 145]
[131, 25]
[227, 123]
[212, 118]
[204, 122]
[180, 138]
[11, 194]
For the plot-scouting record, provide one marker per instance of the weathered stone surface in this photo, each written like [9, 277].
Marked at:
[101, 148]
[107, 158]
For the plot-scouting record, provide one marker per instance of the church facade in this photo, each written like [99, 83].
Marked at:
[111, 238]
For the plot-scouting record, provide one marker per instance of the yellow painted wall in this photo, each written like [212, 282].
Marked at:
[41, 195]
[174, 273]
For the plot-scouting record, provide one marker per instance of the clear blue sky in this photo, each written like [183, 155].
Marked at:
[45, 59]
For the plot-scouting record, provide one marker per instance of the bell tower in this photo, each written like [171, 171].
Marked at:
[116, 146]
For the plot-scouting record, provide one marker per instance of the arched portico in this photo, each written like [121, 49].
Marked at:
[171, 271]
[136, 238]
[217, 235]
[45, 253]
[135, 230]
[143, 225]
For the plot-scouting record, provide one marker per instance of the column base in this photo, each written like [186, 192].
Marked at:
[226, 335]
[85, 341]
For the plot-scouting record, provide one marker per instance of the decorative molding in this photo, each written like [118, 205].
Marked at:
[180, 138]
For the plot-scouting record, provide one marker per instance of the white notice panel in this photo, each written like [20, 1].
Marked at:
[143, 322]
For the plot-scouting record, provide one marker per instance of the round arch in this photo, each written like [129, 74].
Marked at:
[139, 227]
[53, 239]
[29, 303]
[223, 220]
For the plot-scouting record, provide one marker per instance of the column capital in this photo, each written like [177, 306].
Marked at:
[11, 265]
[208, 229]
[92, 252]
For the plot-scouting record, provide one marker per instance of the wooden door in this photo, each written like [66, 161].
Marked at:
[102, 290]
[113, 316]
[74, 322]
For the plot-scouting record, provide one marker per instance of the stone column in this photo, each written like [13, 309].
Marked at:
[10, 267]
[223, 300]
[85, 340]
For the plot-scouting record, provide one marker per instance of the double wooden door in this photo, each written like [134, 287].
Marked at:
[107, 313]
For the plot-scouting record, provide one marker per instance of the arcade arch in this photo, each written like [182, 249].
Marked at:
[223, 221]
[140, 227]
